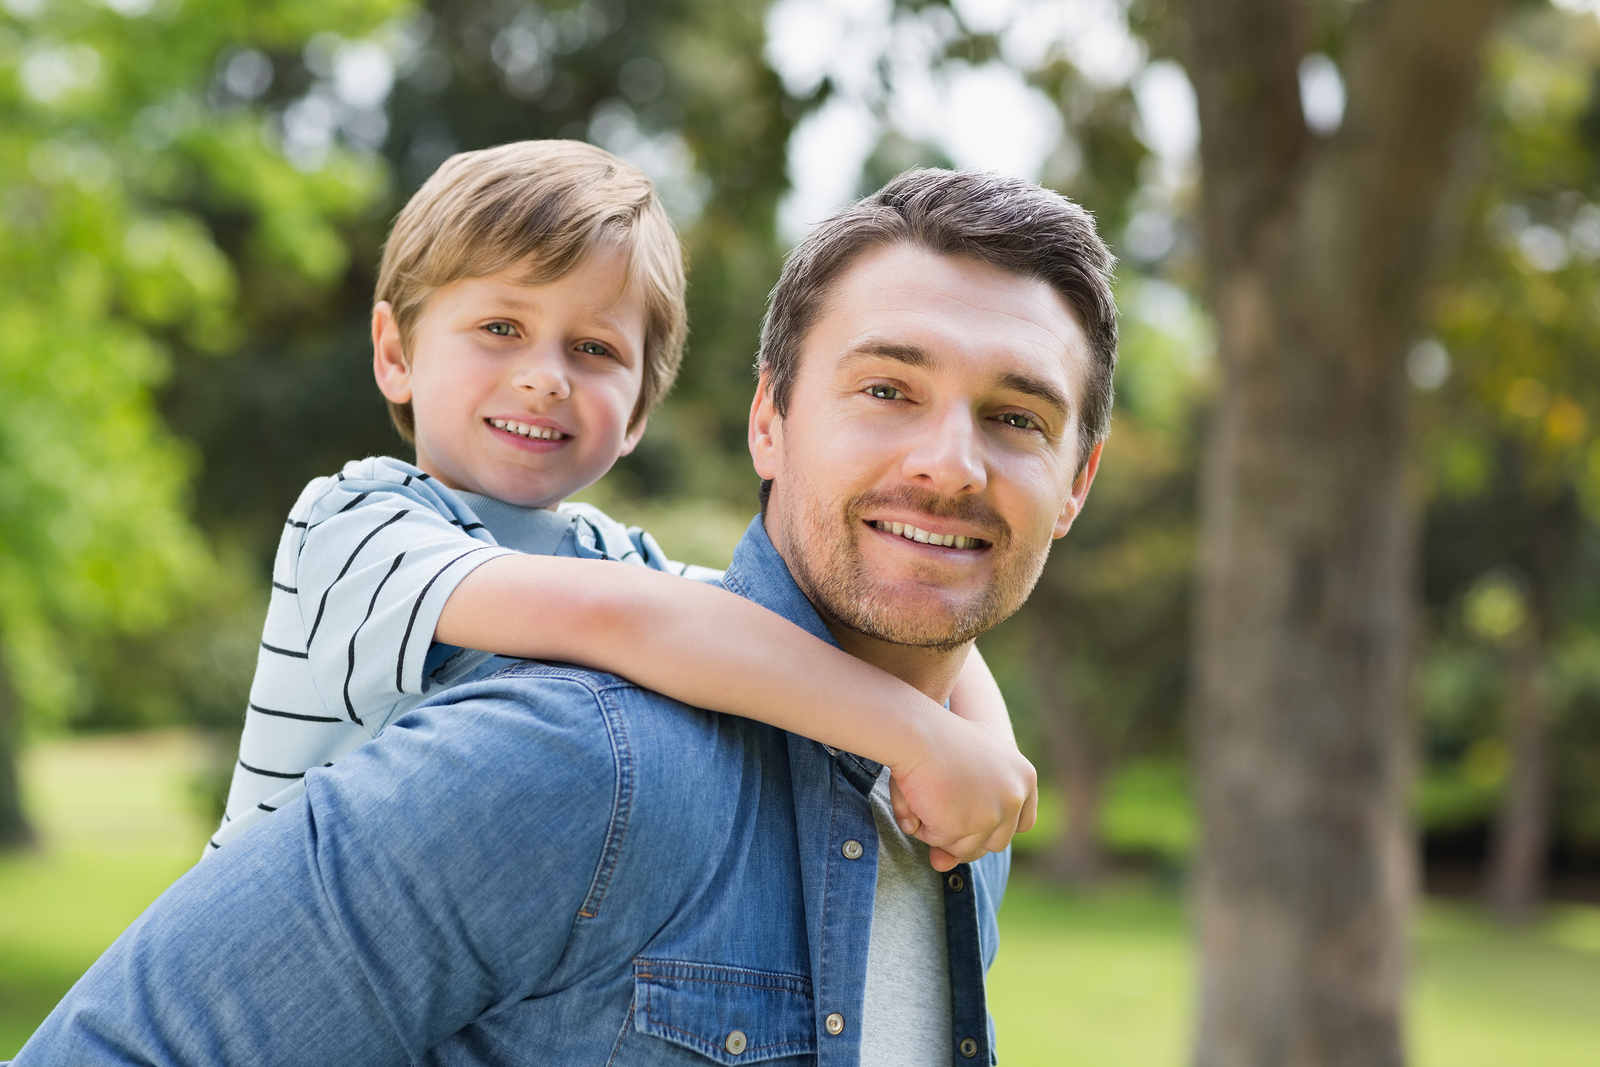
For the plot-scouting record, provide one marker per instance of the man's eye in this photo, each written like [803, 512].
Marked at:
[884, 392]
[593, 348]
[1020, 421]
[501, 329]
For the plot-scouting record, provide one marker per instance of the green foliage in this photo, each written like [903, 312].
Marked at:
[1509, 440]
[116, 143]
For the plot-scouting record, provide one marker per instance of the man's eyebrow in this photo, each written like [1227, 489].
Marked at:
[917, 356]
[1017, 382]
[913, 355]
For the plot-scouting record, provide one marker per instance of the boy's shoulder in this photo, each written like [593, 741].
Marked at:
[601, 535]
[378, 480]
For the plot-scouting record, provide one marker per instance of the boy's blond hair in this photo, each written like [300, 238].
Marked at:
[548, 203]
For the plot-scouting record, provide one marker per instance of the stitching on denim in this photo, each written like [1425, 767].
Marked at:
[621, 805]
[827, 877]
[692, 970]
[662, 979]
[627, 1024]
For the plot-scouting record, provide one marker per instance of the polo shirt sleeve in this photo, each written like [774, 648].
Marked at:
[382, 552]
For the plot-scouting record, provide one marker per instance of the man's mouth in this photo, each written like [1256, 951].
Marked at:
[923, 537]
[522, 429]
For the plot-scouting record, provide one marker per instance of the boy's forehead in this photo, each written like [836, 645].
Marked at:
[600, 281]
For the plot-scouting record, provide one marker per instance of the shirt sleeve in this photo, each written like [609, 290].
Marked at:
[430, 878]
[377, 563]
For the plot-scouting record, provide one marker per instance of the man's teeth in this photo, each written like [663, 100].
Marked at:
[522, 429]
[912, 533]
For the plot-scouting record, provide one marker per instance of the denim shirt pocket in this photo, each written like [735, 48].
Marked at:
[730, 1015]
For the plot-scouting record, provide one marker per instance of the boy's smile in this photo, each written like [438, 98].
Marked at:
[521, 391]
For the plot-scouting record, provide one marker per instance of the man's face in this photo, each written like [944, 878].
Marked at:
[929, 454]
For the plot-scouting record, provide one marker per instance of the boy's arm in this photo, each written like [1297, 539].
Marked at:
[965, 780]
[976, 697]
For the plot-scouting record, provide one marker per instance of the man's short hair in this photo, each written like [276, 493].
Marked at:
[1007, 222]
[548, 203]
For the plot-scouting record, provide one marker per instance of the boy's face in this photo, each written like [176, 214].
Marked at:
[521, 392]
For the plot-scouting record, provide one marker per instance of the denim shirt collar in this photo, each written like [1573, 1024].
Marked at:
[758, 573]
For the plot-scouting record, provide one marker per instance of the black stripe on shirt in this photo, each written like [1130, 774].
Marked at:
[292, 715]
[467, 526]
[296, 524]
[390, 521]
[265, 807]
[285, 588]
[270, 774]
[352, 503]
[405, 642]
[284, 651]
[351, 670]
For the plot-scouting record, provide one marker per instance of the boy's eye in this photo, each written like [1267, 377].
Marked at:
[885, 392]
[1017, 419]
[501, 329]
[593, 348]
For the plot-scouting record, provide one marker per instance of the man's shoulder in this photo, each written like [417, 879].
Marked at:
[534, 706]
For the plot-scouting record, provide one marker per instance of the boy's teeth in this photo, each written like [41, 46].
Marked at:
[522, 429]
[912, 533]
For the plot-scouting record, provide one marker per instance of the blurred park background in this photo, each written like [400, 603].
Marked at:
[193, 194]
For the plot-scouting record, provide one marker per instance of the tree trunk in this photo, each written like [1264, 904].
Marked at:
[1076, 857]
[1316, 254]
[1516, 864]
[15, 831]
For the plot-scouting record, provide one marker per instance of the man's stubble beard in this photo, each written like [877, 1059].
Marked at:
[826, 562]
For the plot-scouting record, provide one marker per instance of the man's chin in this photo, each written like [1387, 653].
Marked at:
[915, 615]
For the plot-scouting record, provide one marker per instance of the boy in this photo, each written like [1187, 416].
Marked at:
[529, 314]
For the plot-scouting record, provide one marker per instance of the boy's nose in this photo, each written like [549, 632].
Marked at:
[543, 373]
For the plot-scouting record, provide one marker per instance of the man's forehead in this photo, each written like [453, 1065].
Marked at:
[912, 305]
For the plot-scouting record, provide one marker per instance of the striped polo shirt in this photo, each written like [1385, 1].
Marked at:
[366, 562]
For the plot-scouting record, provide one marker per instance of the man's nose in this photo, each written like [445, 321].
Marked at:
[946, 453]
[542, 372]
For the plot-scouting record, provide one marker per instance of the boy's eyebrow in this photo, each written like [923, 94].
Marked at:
[917, 356]
[517, 303]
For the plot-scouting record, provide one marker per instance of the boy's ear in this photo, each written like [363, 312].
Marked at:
[1080, 491]
[631, 441]
[766, 431]
[389, 365]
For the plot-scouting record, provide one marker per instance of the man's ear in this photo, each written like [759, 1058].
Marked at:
[631, 441]
[389, 364]
[1080, 490]
[766, 431]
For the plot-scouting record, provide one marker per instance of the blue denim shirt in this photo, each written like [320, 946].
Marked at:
[549, 866]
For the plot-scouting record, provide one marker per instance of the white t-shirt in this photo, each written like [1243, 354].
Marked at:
[907, 1016]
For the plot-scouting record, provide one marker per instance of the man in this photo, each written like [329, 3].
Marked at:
[555, 866]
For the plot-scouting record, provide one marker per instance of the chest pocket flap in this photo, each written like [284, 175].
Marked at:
[730, 1015]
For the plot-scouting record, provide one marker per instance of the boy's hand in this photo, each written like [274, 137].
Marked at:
[968, 793]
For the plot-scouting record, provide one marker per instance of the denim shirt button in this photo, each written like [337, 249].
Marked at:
[969, 1047]
[852, 849]
[834, 1023]
[736, 1042]
[957, 883]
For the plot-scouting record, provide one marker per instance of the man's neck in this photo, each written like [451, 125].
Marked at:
[933, 671]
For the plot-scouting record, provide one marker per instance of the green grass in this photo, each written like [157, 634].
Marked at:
[117, 827]
[1101, 979]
